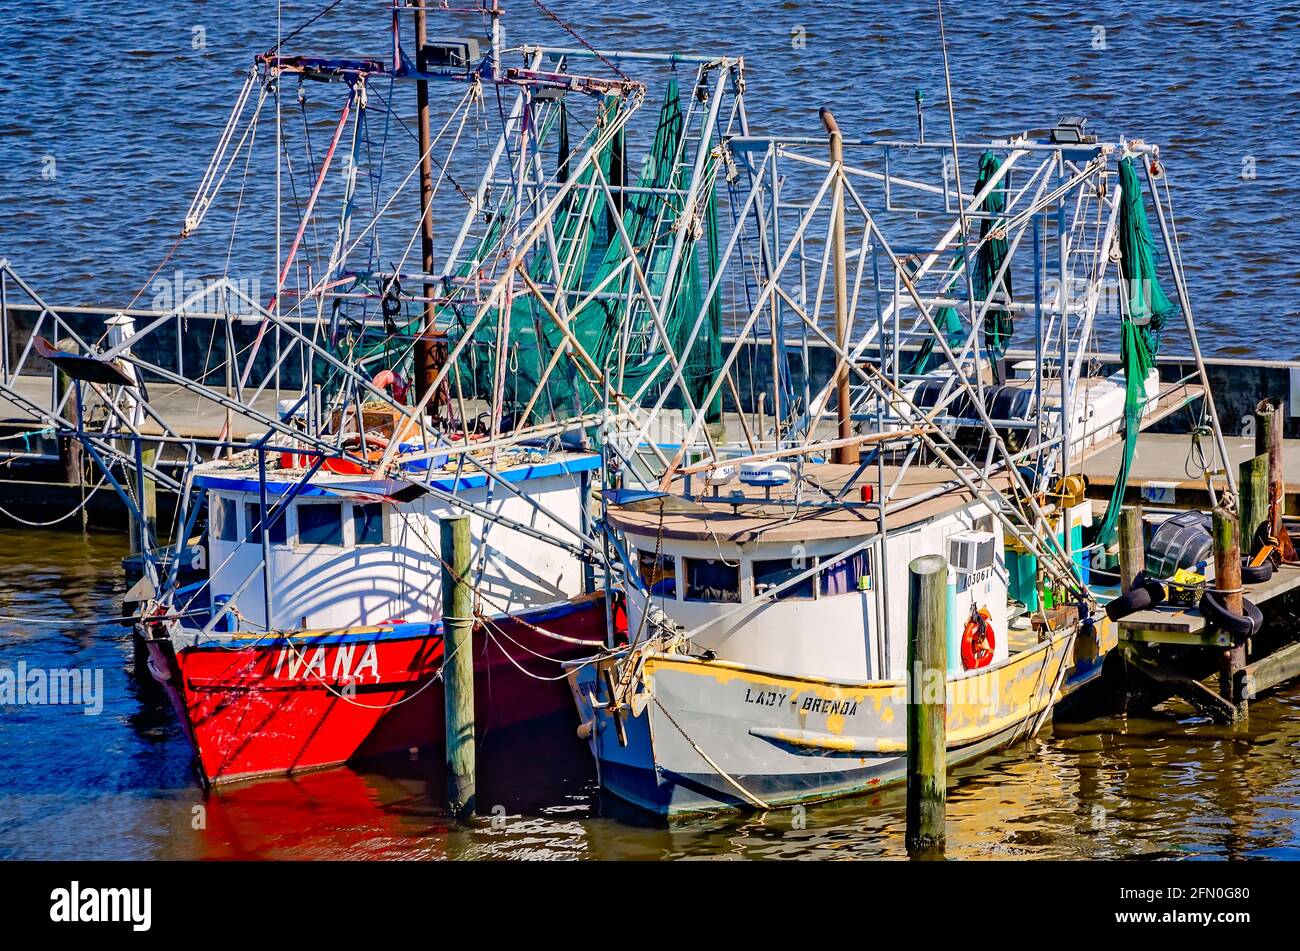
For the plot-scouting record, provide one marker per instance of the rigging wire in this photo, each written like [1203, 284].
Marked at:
[574, 33]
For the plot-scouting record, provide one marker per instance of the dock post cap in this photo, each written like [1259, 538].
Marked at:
[828, 120]
[928, 565]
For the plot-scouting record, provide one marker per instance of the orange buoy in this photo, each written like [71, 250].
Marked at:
[977, 641]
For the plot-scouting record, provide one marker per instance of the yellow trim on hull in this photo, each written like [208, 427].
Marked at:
[1030, 681]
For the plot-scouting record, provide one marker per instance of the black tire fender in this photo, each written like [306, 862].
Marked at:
[1240, 626]
[1137, 599]
[1255, 575]
[1255, 614]
[1159, 593]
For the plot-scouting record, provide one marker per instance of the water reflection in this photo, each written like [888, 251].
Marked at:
[1166, 785]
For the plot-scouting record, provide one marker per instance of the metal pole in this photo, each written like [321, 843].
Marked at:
[265, 530]
[1176, 268]
[1063, 366]
[426, 369]
[4, 325]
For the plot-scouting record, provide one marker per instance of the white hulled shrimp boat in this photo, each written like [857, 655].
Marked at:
[792, 685]
[767, 621]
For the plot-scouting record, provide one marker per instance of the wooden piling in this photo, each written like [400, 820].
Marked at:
[927, 707]
[1132, 548]
[848, 454]
[1268, 439]
[1252, 483]
[149, 499]
[69, 447]
[458, 664]
[1227, 579]
[1227, 558]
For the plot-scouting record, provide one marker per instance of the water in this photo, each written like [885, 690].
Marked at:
[109, 111]
[119, 785]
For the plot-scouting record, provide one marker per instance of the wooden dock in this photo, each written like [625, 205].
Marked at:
[1160, 471]
[1174, 625]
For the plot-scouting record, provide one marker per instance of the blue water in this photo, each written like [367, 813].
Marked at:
[116, 96]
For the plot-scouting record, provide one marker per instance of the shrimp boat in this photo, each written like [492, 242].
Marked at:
[374, 395]
[337, 646]
[346, 663]
[767, 582]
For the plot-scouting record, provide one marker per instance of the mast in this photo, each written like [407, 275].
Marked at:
[845, 453]
[426, 363]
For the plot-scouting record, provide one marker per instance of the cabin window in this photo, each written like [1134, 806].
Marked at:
[658, 572]
[710, 579]
[847, 575]
[224, 519]
[368, 523]
[771, 572]
[320, 523]
[253, 519]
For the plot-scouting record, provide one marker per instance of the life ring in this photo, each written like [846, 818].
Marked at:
[385, 379]
[977, 641]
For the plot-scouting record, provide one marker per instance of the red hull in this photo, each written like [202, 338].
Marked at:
[285, 705]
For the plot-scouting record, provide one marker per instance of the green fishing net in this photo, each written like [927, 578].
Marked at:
[1148, 310]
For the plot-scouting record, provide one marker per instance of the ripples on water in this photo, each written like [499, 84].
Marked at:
[130, 112]
[119, 785]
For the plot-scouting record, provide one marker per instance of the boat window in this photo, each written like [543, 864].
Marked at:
[253, 519]
[709, 579]
[368, 523]
[771, 572]
[224, 519]
[658, 572]
[847, 574]
[320, 523]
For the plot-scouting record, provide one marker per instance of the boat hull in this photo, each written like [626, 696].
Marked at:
[701, 736]
[255, 705]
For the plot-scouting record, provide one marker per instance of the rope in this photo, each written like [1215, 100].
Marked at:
[292, 33]
[27, 435]
[62, 518]
[166, 257]
[705, 756]
[373, 706]
[496, 605]
[525, 671]
[13, 618]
